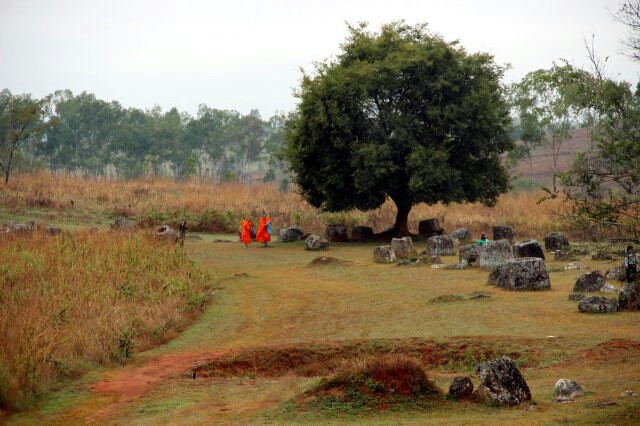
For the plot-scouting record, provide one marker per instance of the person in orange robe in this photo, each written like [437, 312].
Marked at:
[264, 230]
[245, 232]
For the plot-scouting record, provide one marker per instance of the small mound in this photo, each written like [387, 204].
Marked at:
[325, 260]
[378, 383]
[476, 295]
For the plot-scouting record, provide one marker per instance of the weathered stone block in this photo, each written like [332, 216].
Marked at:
[440, 245]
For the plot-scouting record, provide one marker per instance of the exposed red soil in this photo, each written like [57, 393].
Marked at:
[615, 349]
[132, 382]
[318, 359]
[125, 385]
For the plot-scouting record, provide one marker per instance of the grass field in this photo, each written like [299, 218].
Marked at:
[270, 306]
[73, 201]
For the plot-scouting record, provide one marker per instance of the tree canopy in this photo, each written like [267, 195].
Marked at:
[403, 114]
[91, 136]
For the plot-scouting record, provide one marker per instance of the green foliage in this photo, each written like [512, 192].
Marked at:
[22, 120]
[400, 114]
[87, 134]
[604, 183]
[546, 104]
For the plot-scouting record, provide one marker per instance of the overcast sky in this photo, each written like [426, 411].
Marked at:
[243, 54]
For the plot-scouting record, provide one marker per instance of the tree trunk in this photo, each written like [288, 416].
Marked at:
[401, 227]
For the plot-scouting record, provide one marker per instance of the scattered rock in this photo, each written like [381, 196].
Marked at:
[438, 266]
[361, 233]
[574, 266]
[576, 297]
[292, 233]
[564, 255]
[403, 247]
[527, 273]
[529, 248]
[456, 266]
[627, 393]
[440, 245]
[608, 288]
[429, 259]
[124, 224]
[567, 388]
[468, 254]
[384, 254]
[629, 298]
[563, 400]
[315, 243]
[462, 234]
[597, 305]
[616, 273]
[495, 253]
[336, 233]
[165, 231]
[430, 227]
[592, 281]
[504, 233]
[502, 382]
[556, 241]
[461, 388]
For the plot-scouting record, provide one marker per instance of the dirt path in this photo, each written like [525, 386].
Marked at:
[125, 385]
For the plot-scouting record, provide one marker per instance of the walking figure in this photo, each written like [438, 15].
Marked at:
[183, 232]
[195, 368]
[264, 230]
[630, 264]
[245, 231]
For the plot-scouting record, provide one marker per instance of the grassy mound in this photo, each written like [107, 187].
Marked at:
[71, 302]
[326, 260]
[374, 383]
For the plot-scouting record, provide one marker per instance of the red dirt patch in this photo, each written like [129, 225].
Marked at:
[132, 382]
[615, 349]
[321, 359]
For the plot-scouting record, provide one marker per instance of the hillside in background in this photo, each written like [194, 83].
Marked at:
[541, 168]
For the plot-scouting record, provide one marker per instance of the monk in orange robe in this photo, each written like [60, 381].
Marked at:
[245, 232]
[264, 230]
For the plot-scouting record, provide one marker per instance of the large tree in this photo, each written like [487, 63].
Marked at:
[401, 114]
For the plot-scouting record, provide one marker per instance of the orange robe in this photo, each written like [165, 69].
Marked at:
[245, 235]
[262, 236]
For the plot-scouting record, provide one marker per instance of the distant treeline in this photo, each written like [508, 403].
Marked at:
[87, 135]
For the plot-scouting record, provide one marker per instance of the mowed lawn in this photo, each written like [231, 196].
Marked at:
[272, 297]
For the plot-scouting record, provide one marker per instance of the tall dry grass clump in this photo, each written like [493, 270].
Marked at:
[74, 301]
[219, 207]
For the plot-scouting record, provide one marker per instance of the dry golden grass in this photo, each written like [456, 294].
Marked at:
[74, 301]
[160, 199]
